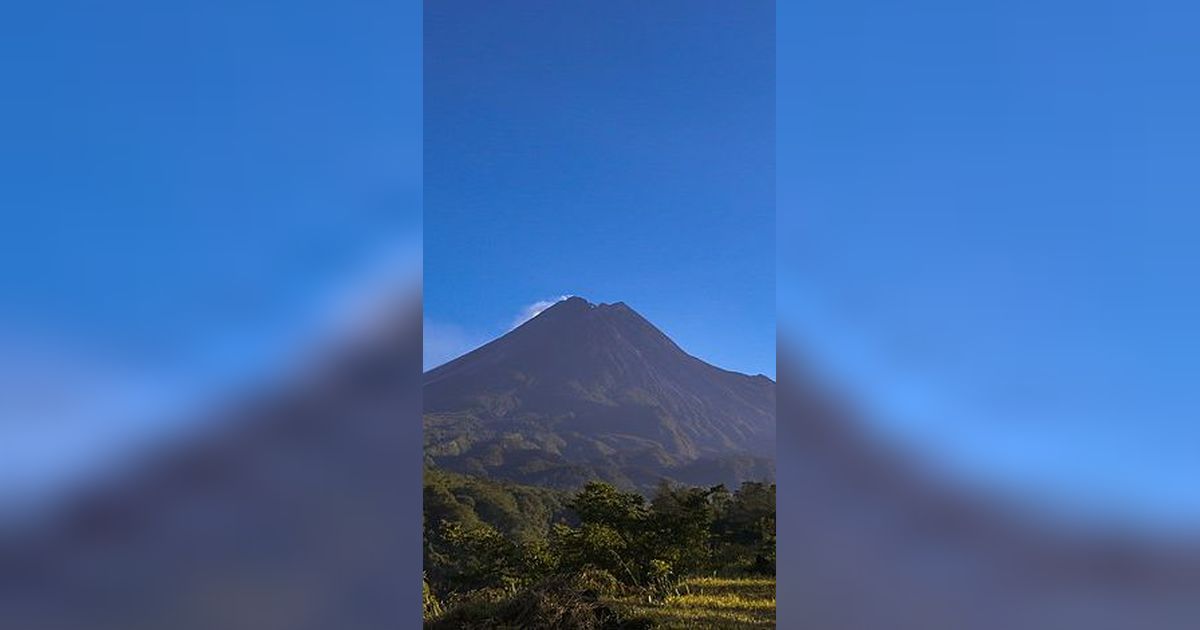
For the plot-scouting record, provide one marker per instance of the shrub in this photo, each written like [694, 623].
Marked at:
[598, 581]
[551, 604]
[659, 574]
[431, 608]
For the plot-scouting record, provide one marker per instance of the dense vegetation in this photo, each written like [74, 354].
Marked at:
[500, 554]
[521, 513]
[527, 450]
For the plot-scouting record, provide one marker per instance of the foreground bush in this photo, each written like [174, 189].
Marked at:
[562, 602]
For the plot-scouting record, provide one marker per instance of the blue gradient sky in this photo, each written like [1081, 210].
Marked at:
[186, 185]
[989, 229]
[620, 151]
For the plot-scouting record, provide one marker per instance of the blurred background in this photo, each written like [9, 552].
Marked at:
[988, 261]
[210, 248]
[192, 195]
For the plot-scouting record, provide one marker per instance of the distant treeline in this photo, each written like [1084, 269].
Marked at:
[482, 534]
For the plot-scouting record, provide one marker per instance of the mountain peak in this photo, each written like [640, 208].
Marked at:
[578, 309]
[577, 304]
[574, 321]
[597, 386]
[570, 303]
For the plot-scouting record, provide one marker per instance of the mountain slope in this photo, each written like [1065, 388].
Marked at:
[595, 391]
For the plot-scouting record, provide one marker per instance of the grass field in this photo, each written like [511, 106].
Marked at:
[718, 603]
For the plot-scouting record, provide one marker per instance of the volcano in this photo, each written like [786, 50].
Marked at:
[595, 391]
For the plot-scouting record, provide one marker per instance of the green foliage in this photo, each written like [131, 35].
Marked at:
[659, 574]
[551, 604]
[485, 550]
[477, 556]
[746, 526]
[603, 504]
[597, 581]
[682, 526]
[521, 512]
[593, 545]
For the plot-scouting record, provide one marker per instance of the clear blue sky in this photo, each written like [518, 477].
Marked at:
[619, 150]
[989, 227]
[185, 186]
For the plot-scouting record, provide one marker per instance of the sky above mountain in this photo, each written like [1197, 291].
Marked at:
[622, 151]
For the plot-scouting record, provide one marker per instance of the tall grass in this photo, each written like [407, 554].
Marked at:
[709, 603]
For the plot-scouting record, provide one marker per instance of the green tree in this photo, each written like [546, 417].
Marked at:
[682, 520]
[745, 528]
[475, 557]
[603, 504]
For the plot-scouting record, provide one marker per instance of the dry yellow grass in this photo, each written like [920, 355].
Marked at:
[711, 603]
